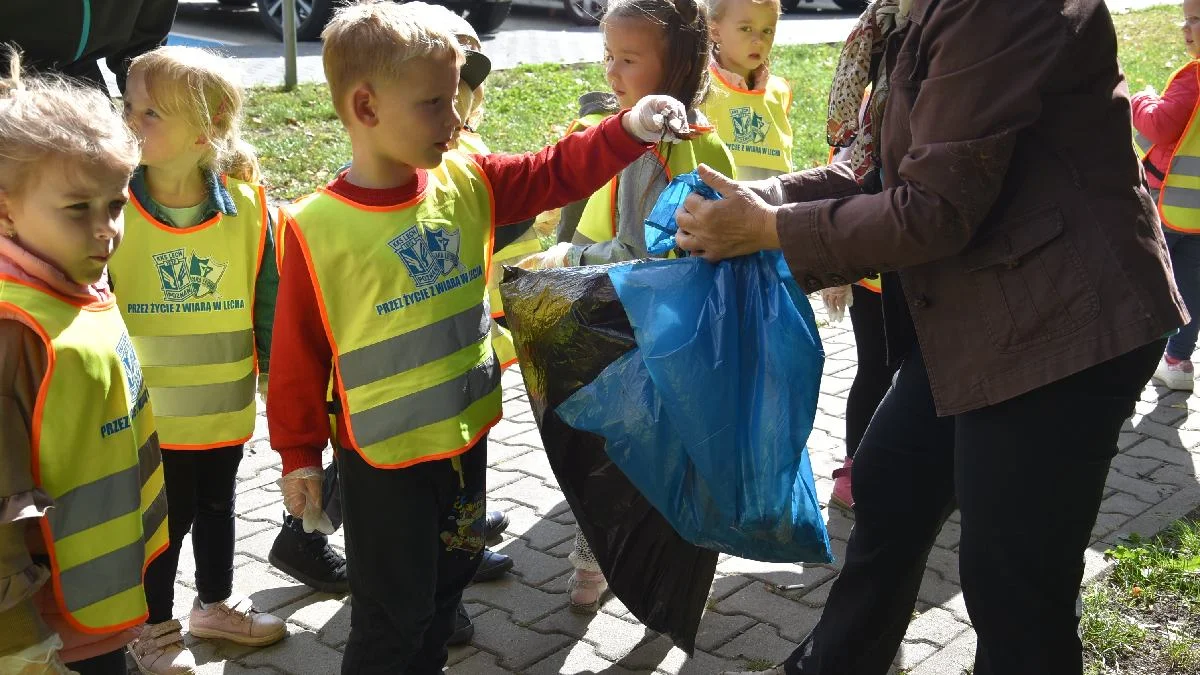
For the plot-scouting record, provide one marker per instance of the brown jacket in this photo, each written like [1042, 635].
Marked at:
[1013, 206]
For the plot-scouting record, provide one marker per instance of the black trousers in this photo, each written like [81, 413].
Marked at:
[874, 375]
[1027, 474]
[200, 497]
[110, 663]
[413, 537]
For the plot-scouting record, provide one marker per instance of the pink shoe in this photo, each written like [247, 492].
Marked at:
[842, 496]
[587, 590]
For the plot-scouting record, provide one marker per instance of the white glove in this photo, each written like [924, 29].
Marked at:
[656, 118]
[555, 256]
[837, 300]
[1149, 91]
[302, 498]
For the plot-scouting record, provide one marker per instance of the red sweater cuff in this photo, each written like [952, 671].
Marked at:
[298, 458]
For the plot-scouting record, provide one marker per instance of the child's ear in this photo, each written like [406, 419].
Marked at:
[7, 227]
[363, 105]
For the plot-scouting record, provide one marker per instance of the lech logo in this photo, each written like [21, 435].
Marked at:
[748, 126]
[185, 277]
[429, 254]
[132, 367]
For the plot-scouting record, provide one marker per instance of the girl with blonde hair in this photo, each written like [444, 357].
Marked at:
[197, 284]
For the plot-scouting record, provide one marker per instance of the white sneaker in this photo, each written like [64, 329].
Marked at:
[1177, 376]
[159, 650]
[236, 621]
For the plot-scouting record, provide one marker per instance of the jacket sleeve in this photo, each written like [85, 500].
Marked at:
[952, 171]
[575, 167]
[23, 365]
[266, 293]
[304, 357]
[1163, 119]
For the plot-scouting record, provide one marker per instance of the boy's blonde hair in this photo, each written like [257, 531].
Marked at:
[196, 84]
[717, 8]
[48, 117]
[374, 39]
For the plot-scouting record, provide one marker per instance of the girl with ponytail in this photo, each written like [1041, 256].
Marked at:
[197, 282]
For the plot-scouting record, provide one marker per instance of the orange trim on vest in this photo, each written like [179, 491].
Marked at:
[167, 228]
[1171, 160]
[89, 306]
[716, 72]
[374, 209]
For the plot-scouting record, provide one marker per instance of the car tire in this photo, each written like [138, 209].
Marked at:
[236, 3]
[585, 12]
[486, 17]
[851, 5]
[311, 17]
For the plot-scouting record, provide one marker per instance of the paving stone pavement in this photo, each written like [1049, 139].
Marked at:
[523, 624]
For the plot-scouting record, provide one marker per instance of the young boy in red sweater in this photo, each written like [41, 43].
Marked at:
[383, 282]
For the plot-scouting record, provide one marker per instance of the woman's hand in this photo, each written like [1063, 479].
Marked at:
[739, 224]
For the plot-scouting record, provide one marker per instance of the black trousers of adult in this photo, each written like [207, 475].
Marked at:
[413, 537]
[874, 374]
[200, 497]
[109, 663]
[1027, 474]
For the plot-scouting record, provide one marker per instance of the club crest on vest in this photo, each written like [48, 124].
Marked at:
[428, 253]
[132, 367]
[184, 278]
[748, 126]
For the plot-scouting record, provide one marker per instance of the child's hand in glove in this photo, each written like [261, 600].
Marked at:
[555, 256]
[656, 118]
[837, 300]
[302, 498]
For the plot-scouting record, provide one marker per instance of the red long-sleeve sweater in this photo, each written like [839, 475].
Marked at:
[523, 185]
[1163, 119]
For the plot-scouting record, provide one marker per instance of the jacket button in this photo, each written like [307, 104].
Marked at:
[837, 280]
[921, 302]
[813, 283]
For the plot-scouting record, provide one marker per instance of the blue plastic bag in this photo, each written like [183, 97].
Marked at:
[708, 417]
[660, 224]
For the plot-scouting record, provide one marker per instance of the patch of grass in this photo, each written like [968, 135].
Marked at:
[301, 142]
[759, 665]
[1145, 617]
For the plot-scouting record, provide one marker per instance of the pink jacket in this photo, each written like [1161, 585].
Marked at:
[1163, 119]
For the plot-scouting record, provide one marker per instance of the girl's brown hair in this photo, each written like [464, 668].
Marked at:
[195, 84]
[685, 39]
[49, 117]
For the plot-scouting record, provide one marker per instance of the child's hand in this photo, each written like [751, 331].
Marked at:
[656, 118]
[837, 300]
[302, 498]
[555, 256]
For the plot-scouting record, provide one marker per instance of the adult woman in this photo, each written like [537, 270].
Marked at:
[1032, 299]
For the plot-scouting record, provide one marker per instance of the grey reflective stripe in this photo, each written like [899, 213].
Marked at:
[154, 515]
[203, 399]
[1184, 198]
[103, 577]
[104, 499]
[1142, 142]
[1185, 165]
[194, 350]
[439, 402]
[414, 348]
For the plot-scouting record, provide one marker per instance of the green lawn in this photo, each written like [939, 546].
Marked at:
[301, 142]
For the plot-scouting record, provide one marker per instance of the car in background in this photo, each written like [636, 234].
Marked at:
[485, 16]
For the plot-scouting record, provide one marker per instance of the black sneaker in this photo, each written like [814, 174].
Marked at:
[492, 566]
[494, 525]
[464, 630]
[308, 558]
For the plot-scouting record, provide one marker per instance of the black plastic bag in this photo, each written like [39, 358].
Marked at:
[568, 326]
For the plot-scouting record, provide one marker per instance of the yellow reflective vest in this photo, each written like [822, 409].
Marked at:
[753, 124]
[95, 452]
[403, 298]
[1179, 200]
[520, 248]
[600, 218]
[187, 295]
